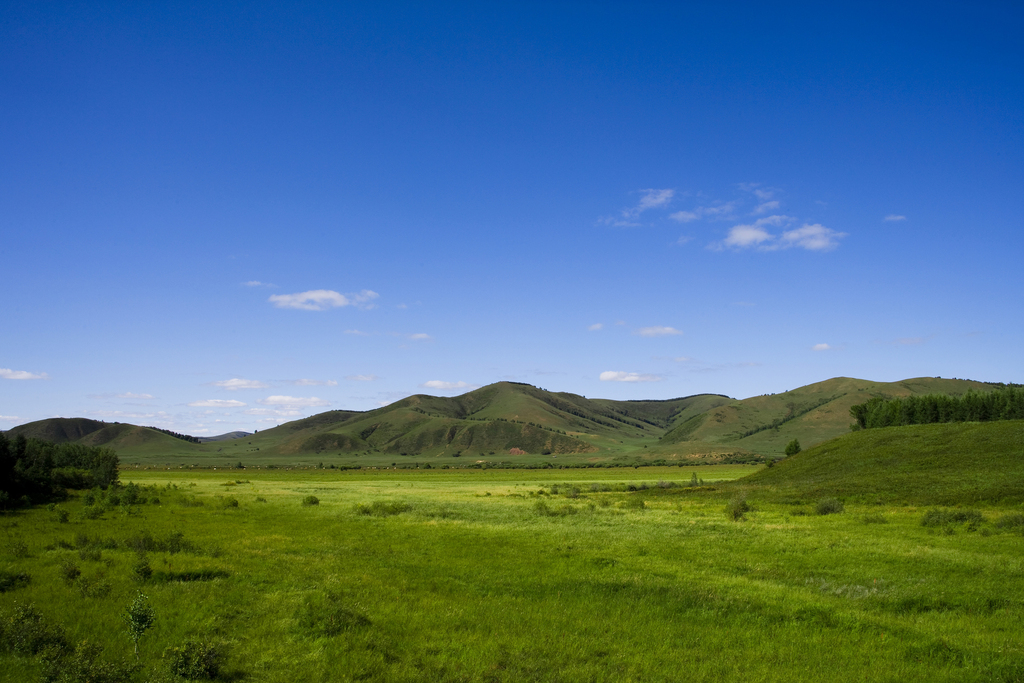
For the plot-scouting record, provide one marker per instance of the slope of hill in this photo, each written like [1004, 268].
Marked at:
[936, 464]
[224, 437]
[813, 413]
[508, 417]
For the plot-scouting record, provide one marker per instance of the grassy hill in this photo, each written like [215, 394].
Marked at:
[490, 423]
[936, 464]
[813, 413]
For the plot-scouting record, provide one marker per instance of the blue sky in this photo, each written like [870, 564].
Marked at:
[224, 218]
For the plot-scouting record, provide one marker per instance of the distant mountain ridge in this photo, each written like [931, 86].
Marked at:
[512, 417]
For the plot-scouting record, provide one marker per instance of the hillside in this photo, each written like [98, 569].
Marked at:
[813, 413]
[495, 421]
[936, 464]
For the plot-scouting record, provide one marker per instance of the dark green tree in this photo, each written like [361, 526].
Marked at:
[793, 447]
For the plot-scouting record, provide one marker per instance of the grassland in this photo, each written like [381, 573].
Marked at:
[555, 575]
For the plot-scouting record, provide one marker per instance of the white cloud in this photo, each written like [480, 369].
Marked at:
[322, 299]
[683, 359]
[135, 396]
[358, 333]
[649, 199]
[273, 412]
[742, 236]
[216, 403]
[294, 402]
[814, 237]
[683, 239]
[312, 382]
[257, 283]
[685, 216]
[895, 217]
[720, 210]
[447, 386]
[595, 327]
[654, 198]
[419, 336]
[236, 384]
[658, 331]
[9, 418]
[614, 376]
[7, 373]
[821, 347]
[765, 207]
[362, 378]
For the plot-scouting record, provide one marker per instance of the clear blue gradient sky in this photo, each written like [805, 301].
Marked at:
[219, 218]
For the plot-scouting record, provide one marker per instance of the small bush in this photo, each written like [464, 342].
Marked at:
[329, 615]
[633, 503]
[793, 447]
[13, 580]
[310, 500]
[68, 571]
[17, 548]
[90, 554]
[941, 518]
[737, 508]
[380, 508]
[24, 631]
[829, 506]
[83, 665]
[141, 569]
[1013, 521]
[232, 502]
[195, 660]
[545, 510]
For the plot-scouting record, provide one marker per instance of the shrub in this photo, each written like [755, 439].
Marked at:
[545, 510]
[232, 502]
[940, 518]
[194, 660]
[12, 580]
[793, 447]
[737, 508]
[68, 571]
[1013, 521]
[310, 500]
[84, 665]
[24, 631]
[829, 506]
[379, 508]
[328, 615]
[141, 569]
[138, 617]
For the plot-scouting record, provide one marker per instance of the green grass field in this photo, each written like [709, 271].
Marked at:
[530, 575]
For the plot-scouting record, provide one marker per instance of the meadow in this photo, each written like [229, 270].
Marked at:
[521, 575]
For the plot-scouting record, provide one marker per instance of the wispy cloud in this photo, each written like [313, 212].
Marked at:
[910, 341]
[420, 336]
[358, 333]
[596, 326]
[362, 378]
[294, 401]
[7, 373]
[658, 331]
[649, 199]
[895, 217]
[272, 412]
[323, 299]
[715, 211]
[129, 394]
[236, 384]
[312, 382]
[814, 237]
[447, 386]
[821, 347]
[216, 403]
[765, 207]
[257, 283]
[9, 418]
[618, 376]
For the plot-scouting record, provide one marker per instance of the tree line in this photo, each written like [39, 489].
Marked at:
[1004, 403]
[34, 471]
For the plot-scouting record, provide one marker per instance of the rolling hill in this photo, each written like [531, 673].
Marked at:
[506, 418]
[934, 464]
